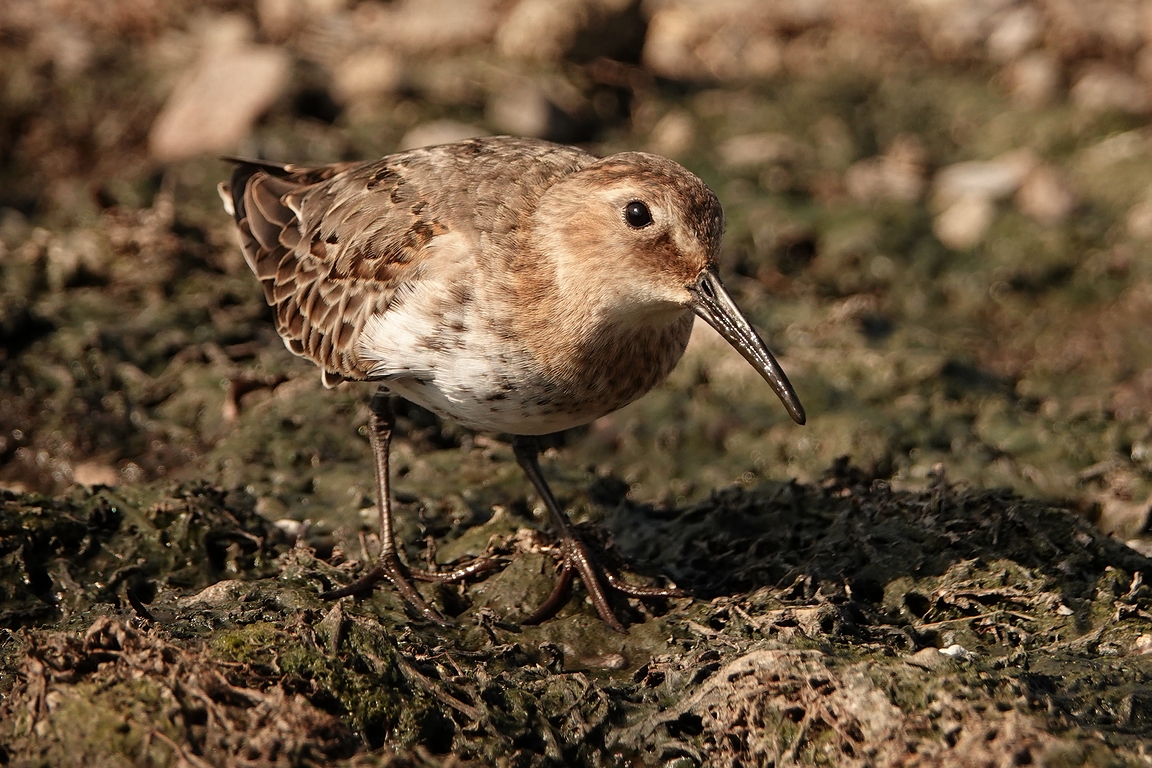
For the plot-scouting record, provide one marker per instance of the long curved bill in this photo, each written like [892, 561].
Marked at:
[711, 301]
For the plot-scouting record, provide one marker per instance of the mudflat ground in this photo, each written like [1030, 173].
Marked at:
[938, 215]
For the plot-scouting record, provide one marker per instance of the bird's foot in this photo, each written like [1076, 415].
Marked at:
[576, 560]
[389, 568]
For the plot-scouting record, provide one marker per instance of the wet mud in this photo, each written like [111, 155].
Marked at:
[943, 237]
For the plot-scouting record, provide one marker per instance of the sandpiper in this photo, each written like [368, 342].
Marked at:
[513, 285]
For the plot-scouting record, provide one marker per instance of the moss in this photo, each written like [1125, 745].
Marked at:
[124, 724]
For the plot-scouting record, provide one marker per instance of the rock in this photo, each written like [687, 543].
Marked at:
[439, 132]
[965, 222]
[77, 254]
[67, 46]
[759, 149]
[93, 473]
[1122, 517]
[522, 111]
[954, 29]
[541, 30]
[278, 19]
[928, 658]
[423, 27]
[673, 135]
[957, 651]
[1139, 219]
[14, 227]
[1015, 32]
[281, 20]
[989, 179]
[222, 593]
[724, 40]
[966, 194]
[216, 103]
[290, 529]
[545, 108]
[1104, 88]
[1045, 196]
[366, 75]
[898, 174]
[1076, 30]
[1034, 79]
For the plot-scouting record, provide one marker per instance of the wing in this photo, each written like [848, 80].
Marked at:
[335, 245]
[330, 246]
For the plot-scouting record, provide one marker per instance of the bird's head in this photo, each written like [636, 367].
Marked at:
[638, 237]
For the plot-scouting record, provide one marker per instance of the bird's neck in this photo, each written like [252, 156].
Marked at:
[587, 319]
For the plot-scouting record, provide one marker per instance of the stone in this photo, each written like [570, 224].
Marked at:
[1105, 88]
[367, 74]
[928, 658]
[759, 149]
[523, 110]
[93, 473]
[67, 46]
[1138, 221]
[723, 40]
[898, 174]
[994, 179]
[1045, 196]
[673, 135]
[1015, 32]
[1034, 79]
[957, 29]
[219, 99]
[278, 19]
[965, 222]
[422, 27]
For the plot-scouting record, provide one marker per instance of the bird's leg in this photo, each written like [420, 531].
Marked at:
[388, 563]
[577, 559]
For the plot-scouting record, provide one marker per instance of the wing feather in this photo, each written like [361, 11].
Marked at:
[335, 245]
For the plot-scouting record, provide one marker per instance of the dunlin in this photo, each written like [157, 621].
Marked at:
[512, 285]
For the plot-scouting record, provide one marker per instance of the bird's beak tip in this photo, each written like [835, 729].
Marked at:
[712, 303]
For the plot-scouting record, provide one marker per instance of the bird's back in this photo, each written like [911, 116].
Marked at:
[337, 245]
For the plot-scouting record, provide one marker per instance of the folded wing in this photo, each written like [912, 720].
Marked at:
[331, 247]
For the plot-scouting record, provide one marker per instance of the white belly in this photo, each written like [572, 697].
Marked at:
[458, 369]
[461, 364]
[491, 410]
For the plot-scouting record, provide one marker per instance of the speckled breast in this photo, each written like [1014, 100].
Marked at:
[508, 391]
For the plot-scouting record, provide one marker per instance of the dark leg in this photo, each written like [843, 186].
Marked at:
[388, 564]
[577, 559]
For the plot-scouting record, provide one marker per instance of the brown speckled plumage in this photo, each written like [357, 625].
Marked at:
[332, 245]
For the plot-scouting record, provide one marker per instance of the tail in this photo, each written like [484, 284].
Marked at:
[232, 191]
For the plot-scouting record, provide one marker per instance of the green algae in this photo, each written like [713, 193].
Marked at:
[96, 724]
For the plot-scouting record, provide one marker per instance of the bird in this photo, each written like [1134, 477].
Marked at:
[512, 285]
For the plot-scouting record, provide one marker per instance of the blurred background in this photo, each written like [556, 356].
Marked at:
[939, 214]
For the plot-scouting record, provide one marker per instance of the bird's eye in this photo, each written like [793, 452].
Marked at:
[637, 215]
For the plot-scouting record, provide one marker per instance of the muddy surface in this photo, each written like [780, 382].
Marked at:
[938, 214]
[836, 623]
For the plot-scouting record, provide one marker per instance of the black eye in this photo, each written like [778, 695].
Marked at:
[637, 215]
